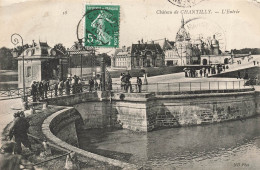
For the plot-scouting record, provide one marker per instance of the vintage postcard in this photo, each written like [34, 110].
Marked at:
[130, 84]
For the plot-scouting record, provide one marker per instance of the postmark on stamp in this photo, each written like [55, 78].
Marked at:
[185, 3]
[102, 25]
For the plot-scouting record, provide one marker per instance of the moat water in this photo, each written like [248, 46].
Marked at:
[229, 145]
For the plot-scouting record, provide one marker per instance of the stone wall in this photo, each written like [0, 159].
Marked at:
[185, 110]
[64, 126]
[97, 114]
[70, 100]
[132, 115]
[148, 111]
[62, 123]
[257, 101]
[200, 109]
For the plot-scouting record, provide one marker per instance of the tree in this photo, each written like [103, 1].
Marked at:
[60, 49]
[107, 58]
[253, 51]
[7, 61]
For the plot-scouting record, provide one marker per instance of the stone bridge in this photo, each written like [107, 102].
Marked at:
[149, 111]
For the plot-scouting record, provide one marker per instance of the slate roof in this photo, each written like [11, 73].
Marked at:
[137, 48]
[168, 45]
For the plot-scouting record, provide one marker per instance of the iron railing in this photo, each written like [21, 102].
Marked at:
[117, 87]
[185, 86]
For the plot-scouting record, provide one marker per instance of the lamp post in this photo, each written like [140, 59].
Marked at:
[82, 48]
[15, 39]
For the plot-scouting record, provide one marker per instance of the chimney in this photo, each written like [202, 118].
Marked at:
[139, 42]
[123, 48]
[142, 41]
[152, 42]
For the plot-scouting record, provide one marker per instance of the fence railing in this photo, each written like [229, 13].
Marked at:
[38, 95]
[184, 86]
[116, 87]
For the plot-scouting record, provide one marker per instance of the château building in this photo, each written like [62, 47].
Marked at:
[187, 51]
[138, 56]
[183, 51]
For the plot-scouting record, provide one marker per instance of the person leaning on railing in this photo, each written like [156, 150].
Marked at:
[60, 87]
[67, 86]
[45, 88]
[34, 91]
[80, 86]
[128, 82]
[139, 84]
[56, 89]
[91, 84]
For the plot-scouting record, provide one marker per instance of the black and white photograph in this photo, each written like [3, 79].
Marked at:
[130, 84]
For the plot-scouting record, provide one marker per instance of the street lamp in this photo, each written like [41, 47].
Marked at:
[15, 39]
[82, 48]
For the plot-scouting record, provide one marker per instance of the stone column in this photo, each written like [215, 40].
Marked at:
[103, 73]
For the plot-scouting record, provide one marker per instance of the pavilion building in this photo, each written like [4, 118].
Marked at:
[41, 62]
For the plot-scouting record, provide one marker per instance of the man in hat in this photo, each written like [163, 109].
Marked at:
[34, 90]
[45, 88]
[19, 129]
[128, 82]
[139, 84]
[67, 86]
[91, 84]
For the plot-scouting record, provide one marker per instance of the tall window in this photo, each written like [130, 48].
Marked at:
[29, 71]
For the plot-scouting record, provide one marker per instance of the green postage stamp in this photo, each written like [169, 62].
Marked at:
[102, 25]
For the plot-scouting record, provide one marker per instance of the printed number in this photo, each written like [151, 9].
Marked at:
[90, 38]
[65, 12]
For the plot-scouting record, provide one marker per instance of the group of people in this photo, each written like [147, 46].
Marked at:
[97, 84]
[126, 83]
[39, 89]
[246, 75]
[71, 84]
[204, 72]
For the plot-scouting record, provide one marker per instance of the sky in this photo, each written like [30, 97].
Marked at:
[55, 21]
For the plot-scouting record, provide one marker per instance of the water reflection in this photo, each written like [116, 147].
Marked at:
[200, 147]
